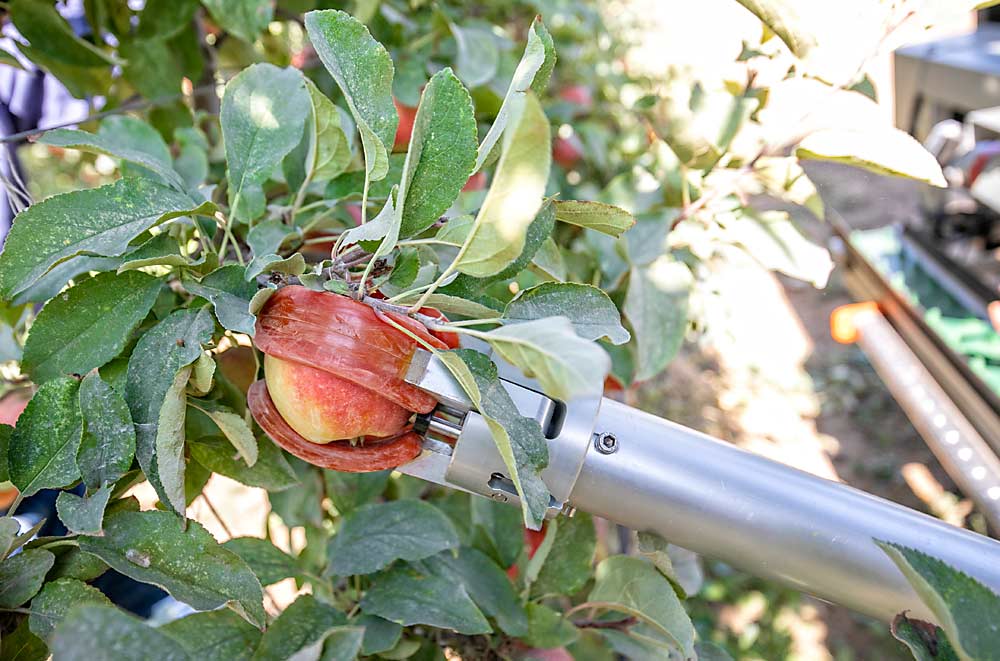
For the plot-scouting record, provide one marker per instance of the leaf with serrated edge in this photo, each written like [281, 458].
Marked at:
[53, 230]
[886, 151]
[486, 583]
[88, 324]
[56, 599]
[22, 575]
[566, 365]
[263, 112]
[515, 195]
[124, 137]
[91, 630]
[407, 597]
[305, 622]
[589, 309]
[107, 446]
[267, 561]
[83, 514]
[604, 218]
[151, 547]
[634, 586]
[233, 427]
[164, 350]
[170, 441]
[524, 75]
[219, 635]
[570, 561]
[519, 439]
[271, 471]
[656, 307]
[230, 295]
[363, 71]
[963, 606]
[375, 535]
[330, 152]
[42, 450]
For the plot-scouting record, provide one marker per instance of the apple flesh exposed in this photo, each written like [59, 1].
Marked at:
[323, 407]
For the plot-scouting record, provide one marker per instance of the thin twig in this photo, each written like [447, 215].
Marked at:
[216, 514]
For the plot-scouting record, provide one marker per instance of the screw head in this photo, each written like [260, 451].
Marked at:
[606, 443]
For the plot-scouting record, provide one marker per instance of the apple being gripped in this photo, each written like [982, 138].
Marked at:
[334, 372]
[323, 407]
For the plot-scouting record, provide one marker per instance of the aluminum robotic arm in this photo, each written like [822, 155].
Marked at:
[705, 495]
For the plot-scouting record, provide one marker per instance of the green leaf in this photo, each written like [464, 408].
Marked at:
[656, 307]
[519, 439]
[589, 309]
[304, 623]
[56, 599]
[536, 51]
[267, 561]
[203, 376]
[548, 628]
[96, 631]
[51, 231]
[271, 471]
[348, 491]
[363, 71]
[170, 442]
[244, 18]
[712, 652]
[219, 635]
[454, 305]
[384, 224]
[486, 583]
[233, 428]
[678, 565]
[604, 218]
[772, 239]
[9, 531]
[342, 644]
[163, 19]
[569, 564]
[151, 547]
[549, 350]
[886, 151]
[381, 635]
[21, 576]
[88, 325]
[406, 596]
[83, 514]
[781, 18]
[124, 137]
[478, 57]
[47, 31]
[230, 294]
[926, 641]
[374, 536]
[107, 446]
[497, 530]
[635, 587]
[22, 645]
[964, 606]
[330, 148]
[442, 153]
[160, 354]
[42, 450]
[161, 250]
[263, 113]
[515, 195]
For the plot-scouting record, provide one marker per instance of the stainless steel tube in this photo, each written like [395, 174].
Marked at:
[766, 518]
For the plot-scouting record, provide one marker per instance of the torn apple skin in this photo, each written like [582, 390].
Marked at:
[333, 392]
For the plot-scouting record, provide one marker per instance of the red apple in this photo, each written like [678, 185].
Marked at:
[323, 407]
[334, 370]
[12, 405]
[567, 152]
[475, 182]
[533, 539]
[579, 95]
[404, 130]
